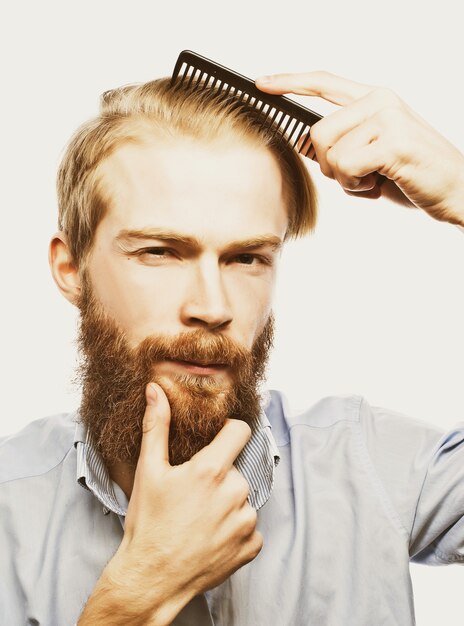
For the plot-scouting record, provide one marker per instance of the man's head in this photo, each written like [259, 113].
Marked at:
[173, 206]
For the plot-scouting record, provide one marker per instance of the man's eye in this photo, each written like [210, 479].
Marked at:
[246, 259]
[154, 255]
[156, 252]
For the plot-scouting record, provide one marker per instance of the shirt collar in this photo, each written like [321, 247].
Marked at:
[92, 473]
[256, 462]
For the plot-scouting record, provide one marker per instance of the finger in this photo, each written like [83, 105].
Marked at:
[373, 194]
[156, 421]
[327, 132]
[349, 183]
[349, 161]
[358, 185]
[227, 444]
[238, 488]
[371, 158]
[323, 84]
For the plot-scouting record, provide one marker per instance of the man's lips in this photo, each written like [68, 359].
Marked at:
[197, 367]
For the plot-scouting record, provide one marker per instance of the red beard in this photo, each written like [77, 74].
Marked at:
[114, 376]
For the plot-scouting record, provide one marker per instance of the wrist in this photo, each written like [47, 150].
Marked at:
[128, 595]
[112, 600]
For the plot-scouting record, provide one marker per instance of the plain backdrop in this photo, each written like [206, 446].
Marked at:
[371, 304]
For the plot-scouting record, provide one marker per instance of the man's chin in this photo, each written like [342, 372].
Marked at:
[199, 409]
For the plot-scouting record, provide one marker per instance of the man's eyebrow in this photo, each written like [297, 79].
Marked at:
[260, 241]
[128, 236]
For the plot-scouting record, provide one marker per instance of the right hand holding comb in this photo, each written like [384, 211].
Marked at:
[373, 133]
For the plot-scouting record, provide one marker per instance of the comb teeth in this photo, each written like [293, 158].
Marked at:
[292, 120]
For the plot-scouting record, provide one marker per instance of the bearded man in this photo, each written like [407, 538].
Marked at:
[149, 505]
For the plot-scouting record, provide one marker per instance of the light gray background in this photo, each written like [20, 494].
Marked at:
[371, 304]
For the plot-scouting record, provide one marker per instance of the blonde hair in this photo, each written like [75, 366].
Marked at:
[129, 114]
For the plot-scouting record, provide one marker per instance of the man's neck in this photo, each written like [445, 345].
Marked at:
[123, 475]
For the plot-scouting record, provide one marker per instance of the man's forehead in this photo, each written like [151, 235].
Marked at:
[174, 163]
[195, 188]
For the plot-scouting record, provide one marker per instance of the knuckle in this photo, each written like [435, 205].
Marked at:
[326, 170]
[241, 428]
[241, 488]
[148, 424]
[237, 489]
[389, 117]
[244, 490]
[386, 96]
[208, 470]
[344, 165]
[250, 519]
[320, 134]
[150, 419]
[321, 76]
[256, 545]
[332, 158]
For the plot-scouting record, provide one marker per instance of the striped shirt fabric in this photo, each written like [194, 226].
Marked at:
[256, 463]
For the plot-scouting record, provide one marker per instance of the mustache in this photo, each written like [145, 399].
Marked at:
[195, 346]
[98, 331]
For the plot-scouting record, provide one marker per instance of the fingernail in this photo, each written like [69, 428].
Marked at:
[264, 80]
[355, 184]
[151, 394]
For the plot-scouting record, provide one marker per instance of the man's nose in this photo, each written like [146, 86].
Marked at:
[207, 304]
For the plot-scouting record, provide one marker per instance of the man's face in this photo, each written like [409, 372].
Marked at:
[189, 248]
[209, 202]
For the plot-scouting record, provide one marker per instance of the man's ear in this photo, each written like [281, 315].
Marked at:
[64, 271]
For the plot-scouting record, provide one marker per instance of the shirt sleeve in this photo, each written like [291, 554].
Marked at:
[422, 471]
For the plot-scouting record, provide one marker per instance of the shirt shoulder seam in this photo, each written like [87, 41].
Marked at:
[17, 478]
[354, 401]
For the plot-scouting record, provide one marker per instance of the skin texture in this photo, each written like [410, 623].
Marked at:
[187, 188]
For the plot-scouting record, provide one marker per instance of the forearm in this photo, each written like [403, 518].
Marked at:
[456, 209]
[130, 600]
[105, 606]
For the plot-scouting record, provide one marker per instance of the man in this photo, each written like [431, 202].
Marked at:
[174, 207]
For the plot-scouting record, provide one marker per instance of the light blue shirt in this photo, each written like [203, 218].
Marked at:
[358, 492]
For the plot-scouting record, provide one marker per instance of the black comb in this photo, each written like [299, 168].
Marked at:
[291, 119]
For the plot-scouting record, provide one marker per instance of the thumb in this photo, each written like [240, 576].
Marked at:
[156, 421]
